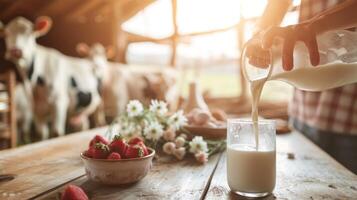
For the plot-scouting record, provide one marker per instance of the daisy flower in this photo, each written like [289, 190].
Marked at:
[126, 129]
[198, 145]
[134, 108]
[158, 107]
[177, 119]
[154, 131]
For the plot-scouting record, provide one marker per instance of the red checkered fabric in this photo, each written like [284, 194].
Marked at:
[332, 110]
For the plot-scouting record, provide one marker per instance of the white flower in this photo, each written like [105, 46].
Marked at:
[134, 108]
[158, 107]
[180, 141]
[198, 144]
[126, 129]
[180, 153]
[154, 131]
[201, 157]
[169, 147]
[177, 119]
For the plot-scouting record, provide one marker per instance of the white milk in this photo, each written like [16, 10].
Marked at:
[249, 170]
[318, 78]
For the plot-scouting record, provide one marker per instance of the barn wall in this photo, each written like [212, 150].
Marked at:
[65, 35]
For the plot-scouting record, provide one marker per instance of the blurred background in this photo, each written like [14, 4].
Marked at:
[201, 39]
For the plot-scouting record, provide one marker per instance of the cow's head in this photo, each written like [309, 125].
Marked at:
[98, 54]
[20, 38]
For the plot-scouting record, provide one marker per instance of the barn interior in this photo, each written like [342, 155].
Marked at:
[200, 41]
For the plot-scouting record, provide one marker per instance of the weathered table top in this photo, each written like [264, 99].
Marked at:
[44, 169]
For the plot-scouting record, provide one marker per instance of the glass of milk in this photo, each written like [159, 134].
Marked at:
[251, 168]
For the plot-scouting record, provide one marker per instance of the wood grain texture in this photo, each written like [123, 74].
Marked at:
[43, 166]
[168, 179]
[311, 175]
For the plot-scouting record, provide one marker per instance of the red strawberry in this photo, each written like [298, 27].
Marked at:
[73, 192]
[134, 151]
[118, 145]
[101, 151]
[145, 149]
[114, 156]
[135, 140]
[97, 139]
[89, 153]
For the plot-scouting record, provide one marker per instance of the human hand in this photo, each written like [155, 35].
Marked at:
[257, 56]
[291, 34]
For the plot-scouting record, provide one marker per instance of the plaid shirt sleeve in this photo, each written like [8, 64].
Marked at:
[333, 110]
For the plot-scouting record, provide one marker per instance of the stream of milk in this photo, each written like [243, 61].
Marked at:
[318, 78]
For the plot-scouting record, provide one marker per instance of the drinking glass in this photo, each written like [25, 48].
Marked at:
[251, 169]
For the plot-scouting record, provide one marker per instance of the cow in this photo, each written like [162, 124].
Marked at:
[121, 83]
[114, 87]
[56, 85]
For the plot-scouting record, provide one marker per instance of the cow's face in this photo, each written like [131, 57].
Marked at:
[20, 38]
[98, 54]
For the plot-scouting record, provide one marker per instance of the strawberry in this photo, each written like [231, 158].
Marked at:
[134, 151]
[101, 151]
[135, 140]
[73, 192]
[97, 139]
[89, 152]
[145, 149]
[114, 156]
[118, 145]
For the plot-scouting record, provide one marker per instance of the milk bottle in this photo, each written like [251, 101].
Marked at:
[338, 67]
[251, 165]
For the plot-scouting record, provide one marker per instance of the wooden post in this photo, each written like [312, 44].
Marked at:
[175, 34]
[12, 108]
[242, 82]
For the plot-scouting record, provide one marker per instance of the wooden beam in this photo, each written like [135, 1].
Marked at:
[14, 7]
[133, 38]
[209, 32]
[55, 8]
[128, 9]
[83, 9]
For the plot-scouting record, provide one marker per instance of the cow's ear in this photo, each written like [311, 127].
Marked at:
[2, 30]
[42, 25]
[82, 49]
[110, 52]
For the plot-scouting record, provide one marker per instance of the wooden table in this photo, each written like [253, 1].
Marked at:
[45, 168]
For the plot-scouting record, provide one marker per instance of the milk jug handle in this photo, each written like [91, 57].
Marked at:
[243, 62]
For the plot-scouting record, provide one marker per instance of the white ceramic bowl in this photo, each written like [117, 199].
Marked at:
[117, 172]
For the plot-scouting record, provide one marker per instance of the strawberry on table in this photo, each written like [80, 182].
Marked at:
[73, 192]
[134, 151]
[101, 151]
[97, 139]
[118, 145]
[135, 140]
[114, 156]
[89, 153]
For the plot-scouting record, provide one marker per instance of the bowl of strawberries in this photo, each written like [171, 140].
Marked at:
[118, 161]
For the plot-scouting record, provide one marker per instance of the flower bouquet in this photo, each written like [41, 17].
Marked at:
[162, 131]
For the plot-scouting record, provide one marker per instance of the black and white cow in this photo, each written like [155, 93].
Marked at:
[120, 83]
[57, 85]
